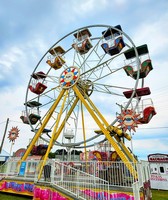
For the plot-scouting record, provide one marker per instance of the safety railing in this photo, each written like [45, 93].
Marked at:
[116, 173]
[81, 179]
[69, 179]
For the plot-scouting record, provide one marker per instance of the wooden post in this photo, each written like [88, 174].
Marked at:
[7, 121]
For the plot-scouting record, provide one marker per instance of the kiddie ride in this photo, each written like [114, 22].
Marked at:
[92, 67]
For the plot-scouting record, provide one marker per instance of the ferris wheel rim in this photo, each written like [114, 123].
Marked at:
[90, 26]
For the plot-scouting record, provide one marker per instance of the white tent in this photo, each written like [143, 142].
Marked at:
[4, 156]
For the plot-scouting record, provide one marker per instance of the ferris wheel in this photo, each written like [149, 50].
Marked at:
[84, 82]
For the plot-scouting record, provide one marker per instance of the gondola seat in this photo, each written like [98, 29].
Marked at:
[146, 67]
[57, 64]
[148, 113]
[84, 47]
[32, 117]
[38, 89]
[138, 93]
[116, 48]
[24, 119]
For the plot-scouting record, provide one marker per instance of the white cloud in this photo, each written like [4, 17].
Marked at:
[148, 145]
[88, 6]
[8, 59]
[154, 33]
[144, 147]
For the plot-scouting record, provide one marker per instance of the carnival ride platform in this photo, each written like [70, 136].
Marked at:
[65, 182]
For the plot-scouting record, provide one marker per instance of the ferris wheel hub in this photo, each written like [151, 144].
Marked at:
[69, 77]
[85, 86]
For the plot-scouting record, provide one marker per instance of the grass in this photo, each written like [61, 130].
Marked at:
[159, 194]
[7, 196]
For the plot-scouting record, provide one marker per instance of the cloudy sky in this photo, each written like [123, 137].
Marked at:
[30, 28]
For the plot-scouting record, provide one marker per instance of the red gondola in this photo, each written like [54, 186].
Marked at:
[38, 89]
[36, 86]
[39, 150]
[145, 110]
[138, 93]
[148, 113]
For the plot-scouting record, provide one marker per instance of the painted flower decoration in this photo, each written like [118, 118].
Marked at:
[128, 120]
[13, 134]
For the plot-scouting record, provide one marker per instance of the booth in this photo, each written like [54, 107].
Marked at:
[158, 171]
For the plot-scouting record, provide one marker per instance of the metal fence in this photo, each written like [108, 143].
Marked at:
[116, 173]
[75, 181]
[81, 179]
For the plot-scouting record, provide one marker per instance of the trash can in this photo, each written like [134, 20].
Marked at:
[47, 172]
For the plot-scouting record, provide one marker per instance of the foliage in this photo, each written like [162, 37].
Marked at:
[51, 155]
[63, 152]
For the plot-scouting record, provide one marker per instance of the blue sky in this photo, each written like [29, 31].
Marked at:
[30, 28]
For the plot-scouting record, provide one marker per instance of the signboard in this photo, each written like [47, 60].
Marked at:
[22, 169]
[161, 158]
[159, 181]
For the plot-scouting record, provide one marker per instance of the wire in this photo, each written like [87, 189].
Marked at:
[2, 122]
[155, 127]
[16, 121]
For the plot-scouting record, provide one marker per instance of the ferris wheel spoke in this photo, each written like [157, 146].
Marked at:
[101, 71]
[109, 89]
[100, 65]
[84, 62]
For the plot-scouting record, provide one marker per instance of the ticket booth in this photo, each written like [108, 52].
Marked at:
[158, 171]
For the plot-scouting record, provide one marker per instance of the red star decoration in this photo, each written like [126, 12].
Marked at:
[13, 134]
[128, 120]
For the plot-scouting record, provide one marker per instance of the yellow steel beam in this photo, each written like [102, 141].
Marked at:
[52, 137]
[106, 132]
[63, 123]
[66, 118]
[128, 153]
[113, 128]
[83, 128]
[39, 132]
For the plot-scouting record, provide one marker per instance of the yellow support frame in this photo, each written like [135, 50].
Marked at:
[83, 128]
[56, 134]
[104, 130]
[120, 148]
[115, 129]
[39, 132]
[65, 119]
[52, 137]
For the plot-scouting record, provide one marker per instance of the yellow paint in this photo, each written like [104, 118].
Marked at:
[66, 118]
[102, 123]
[83, 128]
[53, 134]
[39, 132]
